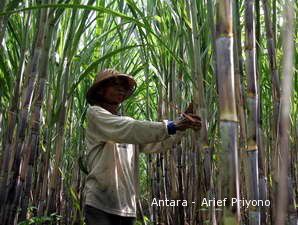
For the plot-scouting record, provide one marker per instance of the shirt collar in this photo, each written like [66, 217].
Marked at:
[103, 109]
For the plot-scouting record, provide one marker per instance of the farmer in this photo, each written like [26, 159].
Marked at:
[112, 149]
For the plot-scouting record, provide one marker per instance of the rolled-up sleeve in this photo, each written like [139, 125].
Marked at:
[120, 129]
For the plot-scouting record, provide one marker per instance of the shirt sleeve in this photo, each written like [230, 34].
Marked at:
[162, 146]
[120, 129]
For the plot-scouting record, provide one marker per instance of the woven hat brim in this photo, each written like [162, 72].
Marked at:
[96, 85]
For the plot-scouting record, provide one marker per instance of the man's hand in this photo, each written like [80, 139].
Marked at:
[188, 121]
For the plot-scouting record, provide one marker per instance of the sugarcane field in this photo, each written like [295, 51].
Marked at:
[148, 112]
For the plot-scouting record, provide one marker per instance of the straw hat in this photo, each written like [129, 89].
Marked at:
[105, 75]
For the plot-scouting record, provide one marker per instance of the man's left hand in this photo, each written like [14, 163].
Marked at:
[187, 121]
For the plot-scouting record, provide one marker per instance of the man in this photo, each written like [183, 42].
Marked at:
[112, 149]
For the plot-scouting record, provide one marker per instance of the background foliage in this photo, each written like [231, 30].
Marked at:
[52, 49]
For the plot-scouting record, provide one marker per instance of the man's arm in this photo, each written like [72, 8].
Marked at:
[108, 127]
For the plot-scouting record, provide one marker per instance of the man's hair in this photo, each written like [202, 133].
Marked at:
[95, 100]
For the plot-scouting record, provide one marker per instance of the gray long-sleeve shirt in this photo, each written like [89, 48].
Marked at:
[112, 158]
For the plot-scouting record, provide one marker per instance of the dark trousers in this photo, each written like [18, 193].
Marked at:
[95, 216]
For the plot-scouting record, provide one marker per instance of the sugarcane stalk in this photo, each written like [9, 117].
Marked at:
[180, 154]
[238, 82]
[16, 181]
[239, 74]
[251, 152]
[36, 114]
[208, 166]
[272, 62]
[263, 180]
[284, 123]
[271, 46]
[229, 177]
[45, 157]
[9, 138]
[55, 178]
[199, 101]
[199, 96]
[146, 69]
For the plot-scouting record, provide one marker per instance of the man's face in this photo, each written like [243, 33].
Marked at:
[114, 91]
